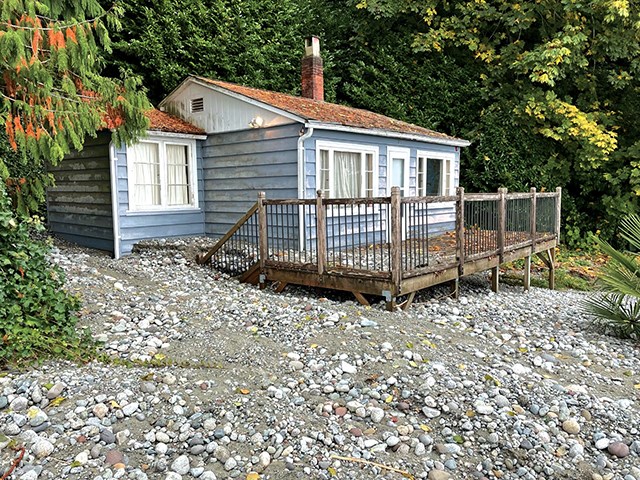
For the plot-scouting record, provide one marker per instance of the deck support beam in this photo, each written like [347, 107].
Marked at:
[495, 278]
[527, 272]
[454, 288]
[360, 298]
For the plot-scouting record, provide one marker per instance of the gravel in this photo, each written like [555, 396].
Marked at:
[211, 379]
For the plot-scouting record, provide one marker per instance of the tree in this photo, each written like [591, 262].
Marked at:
[565, 71]
[51, 97]
[251, 42]
[52, 93]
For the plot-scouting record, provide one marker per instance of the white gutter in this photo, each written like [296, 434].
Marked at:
[301, 177]
[161, 133]
[114, 200]
[454, 142]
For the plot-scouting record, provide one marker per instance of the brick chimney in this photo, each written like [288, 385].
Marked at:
[312, 76]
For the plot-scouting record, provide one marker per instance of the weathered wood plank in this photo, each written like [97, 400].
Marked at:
[361, 299]
[396, 237]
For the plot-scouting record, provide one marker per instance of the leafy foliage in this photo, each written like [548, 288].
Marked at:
[36, 314]
[564, 74]
[618, 307]
[251, 42]
[52, 93]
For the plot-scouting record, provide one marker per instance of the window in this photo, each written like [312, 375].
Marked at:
[347, 171]
[435, 175]
[161, 175]
[197, 105]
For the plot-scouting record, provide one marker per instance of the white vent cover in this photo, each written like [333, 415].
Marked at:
[197, 105]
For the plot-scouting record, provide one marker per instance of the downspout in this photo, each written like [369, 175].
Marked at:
[301, 178]
[114, 200]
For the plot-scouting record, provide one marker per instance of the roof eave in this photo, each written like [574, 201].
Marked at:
[451, 141]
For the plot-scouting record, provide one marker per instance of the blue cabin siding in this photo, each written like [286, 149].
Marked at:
[140, 225]
[79, 205]
[238, 165]
[441, 216]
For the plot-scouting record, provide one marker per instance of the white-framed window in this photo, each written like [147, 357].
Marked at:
[345, 170]
[435, 174]
[162, 174]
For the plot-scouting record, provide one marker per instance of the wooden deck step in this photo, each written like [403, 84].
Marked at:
[251, 276]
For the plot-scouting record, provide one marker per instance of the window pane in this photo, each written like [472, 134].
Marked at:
[178, 175]
[146, 163]
[369, 172]
[347, 174]
[397, 173]
[447, 178]
[434, 176]
[323, 182]
[421, 176]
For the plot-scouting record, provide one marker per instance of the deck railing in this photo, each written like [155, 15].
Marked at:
[386, 237]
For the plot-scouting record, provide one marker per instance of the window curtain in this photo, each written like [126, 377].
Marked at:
[146, 162]
[177, 175]
[347, 174]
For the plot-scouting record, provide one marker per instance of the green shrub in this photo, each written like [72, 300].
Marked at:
[617, 307]
[37, 316]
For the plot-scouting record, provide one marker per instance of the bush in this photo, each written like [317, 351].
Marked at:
[617, 307]
[37, 316]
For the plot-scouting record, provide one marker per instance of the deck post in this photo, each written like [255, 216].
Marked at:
[558, 213]
[396, 245]
[502, 221]
[321, 232]
[533, 219]
[262, 236]
[532, 230]
[454, 288]
[460, 232]
[552, 268]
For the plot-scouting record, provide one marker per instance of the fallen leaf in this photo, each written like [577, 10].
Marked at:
[332, 471]
[243, 391]
[57, 401]
[253, 476]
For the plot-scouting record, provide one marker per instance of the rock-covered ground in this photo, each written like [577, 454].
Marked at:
[209, 378]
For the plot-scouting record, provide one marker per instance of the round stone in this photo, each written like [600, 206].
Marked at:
[377, 415]
[181, 465]
[619, 449]
[42, 448]
[571, 426]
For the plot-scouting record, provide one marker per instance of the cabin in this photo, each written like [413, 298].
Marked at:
[212, 146]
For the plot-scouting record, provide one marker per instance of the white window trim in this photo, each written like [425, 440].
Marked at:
[405, 153]
[451, 156]
[354, 148]
[162, 143]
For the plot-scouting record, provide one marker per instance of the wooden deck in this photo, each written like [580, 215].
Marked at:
[386, 246]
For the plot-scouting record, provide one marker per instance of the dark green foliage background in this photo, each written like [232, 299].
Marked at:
[371, 61]
[374, 60]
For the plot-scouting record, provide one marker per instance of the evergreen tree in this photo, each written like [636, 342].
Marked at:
[51, 92]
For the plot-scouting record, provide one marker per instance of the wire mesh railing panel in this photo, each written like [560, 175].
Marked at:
[546, 215]
[517, 221]
[241, 251]
[357, 236]
[283, 233]
[415, 235]
[480, 226]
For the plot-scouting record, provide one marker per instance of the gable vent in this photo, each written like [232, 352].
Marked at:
[197, 105]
